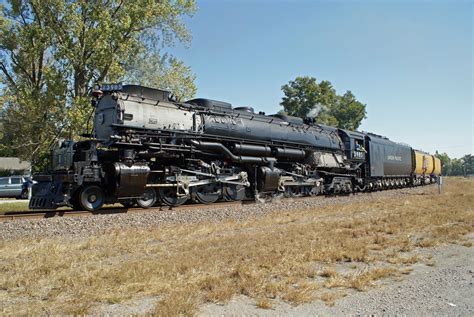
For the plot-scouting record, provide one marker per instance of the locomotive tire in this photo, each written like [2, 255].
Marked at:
[148, 198]
[91, 198]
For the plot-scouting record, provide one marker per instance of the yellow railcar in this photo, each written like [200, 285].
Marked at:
[428, 159]
[437, 166]
[424, 163]
[419, 162]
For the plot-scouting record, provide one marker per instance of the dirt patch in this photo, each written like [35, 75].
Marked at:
[443, 287]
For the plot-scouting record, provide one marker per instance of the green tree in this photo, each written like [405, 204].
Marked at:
[468, 164]
[445, 162]
[33, 92]
[304, 97]
[456, 167]
[53, 51]
[163, 71]
[348, 111]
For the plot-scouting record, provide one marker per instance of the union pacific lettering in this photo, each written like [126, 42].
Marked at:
[394, 158]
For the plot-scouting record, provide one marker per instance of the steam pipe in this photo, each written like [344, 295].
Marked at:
[212, 146]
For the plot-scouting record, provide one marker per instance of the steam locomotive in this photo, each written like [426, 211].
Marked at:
[146, 148]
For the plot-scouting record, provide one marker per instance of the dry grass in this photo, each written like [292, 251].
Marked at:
[263, 303]
[274, 257]
[364, 280]
[330, 297]
[13, 206]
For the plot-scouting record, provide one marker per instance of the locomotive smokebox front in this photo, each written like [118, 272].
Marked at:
[107, 114]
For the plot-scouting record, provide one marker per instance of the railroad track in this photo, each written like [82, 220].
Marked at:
[28, 214]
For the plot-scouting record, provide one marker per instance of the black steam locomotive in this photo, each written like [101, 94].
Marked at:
[146, 148]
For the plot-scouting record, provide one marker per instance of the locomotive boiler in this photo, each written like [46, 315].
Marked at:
[146, 148]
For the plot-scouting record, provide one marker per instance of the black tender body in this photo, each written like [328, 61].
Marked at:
[387, 158]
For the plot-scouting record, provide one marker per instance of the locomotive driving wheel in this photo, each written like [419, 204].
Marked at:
[148, 199]
[233, 192]
[91, 198]
[169, 197]
[206, 194]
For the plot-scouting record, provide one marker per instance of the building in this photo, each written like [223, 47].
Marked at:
[13, 165]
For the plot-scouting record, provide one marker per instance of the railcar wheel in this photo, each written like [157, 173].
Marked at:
[91, 198]
[233, 192]
[288, 192]
[206, 194]
[148, 198]
[292, 191]
[311, 191]
[169, 197]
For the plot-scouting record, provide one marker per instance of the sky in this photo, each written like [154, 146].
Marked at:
[410, 62]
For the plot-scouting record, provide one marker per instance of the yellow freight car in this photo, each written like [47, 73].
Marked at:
[424, 164]
[437, 166]
[426, 167]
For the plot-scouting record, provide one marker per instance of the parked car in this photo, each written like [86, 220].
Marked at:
[13, 187]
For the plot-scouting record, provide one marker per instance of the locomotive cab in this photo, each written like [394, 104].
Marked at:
[354, 144]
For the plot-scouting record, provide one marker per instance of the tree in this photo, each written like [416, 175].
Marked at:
[53, 51]
[33, 93]
[348, 111]
[456, 167]
[468, 164]
[164, 72]
[304, 97]
[445, 162]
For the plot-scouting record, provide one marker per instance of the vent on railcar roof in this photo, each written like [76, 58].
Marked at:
[246, 109]
[209, 103]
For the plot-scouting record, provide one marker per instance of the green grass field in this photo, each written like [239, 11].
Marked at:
[20, 205]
